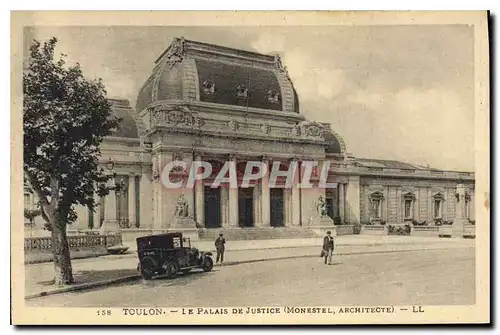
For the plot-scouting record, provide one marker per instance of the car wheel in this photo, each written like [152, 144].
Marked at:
[172, 269]
[208, 264]
[146, 274]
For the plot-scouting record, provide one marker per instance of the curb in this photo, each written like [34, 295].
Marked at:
[81, 287]
[86, 286]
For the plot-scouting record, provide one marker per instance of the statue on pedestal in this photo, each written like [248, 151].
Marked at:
[320, 217]
[182, 219]
[182, 207]
[321, 207]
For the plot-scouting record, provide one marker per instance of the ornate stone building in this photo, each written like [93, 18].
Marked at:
[217, 104]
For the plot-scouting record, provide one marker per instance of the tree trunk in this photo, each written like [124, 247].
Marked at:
[63, 273]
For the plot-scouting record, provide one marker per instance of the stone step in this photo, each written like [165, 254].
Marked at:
[256, 233]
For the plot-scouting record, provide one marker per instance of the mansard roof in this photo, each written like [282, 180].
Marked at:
[388, 164]
[195, 71]
[128, 126]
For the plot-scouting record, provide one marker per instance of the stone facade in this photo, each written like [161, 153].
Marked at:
[187, 111]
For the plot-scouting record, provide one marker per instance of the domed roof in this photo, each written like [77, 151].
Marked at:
[194, 71]
[335, 143]
[128, 126]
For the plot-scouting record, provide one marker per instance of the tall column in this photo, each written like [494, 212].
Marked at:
[352, 200]
[110, 224]
[224, 204]
[200, 200]
[265, 198]
[295, 204]
[233, 202]
[131, 201]
[146, 199]
[257, 203]
[341, 200]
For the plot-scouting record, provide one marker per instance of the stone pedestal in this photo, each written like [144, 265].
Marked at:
[457, 228]
[183, 223]
[321, 221]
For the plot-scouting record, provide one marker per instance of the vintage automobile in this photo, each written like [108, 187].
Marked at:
[168, 255]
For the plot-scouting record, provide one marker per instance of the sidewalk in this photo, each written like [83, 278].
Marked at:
[106, 270]
[344, 240]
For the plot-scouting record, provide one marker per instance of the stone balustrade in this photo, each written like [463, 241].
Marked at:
[74, 242]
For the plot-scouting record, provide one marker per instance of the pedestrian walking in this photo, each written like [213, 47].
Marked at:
[328, 247]
[220, 247]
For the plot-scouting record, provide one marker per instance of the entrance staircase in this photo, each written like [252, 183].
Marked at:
[253, 233]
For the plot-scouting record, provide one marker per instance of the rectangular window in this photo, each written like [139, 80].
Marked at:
[377, 212]
[177, 242]
[437, 208]
[408, 209]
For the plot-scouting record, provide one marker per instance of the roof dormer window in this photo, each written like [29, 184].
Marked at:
[208, 87]
[242, 92]
[273, 97]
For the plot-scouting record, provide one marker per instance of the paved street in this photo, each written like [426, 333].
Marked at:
[419, 277]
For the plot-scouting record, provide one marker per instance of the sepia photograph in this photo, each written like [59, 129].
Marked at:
[250, 168]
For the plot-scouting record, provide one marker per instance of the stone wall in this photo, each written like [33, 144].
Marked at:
[424, 191]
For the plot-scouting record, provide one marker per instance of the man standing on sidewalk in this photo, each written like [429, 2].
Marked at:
[219, 246]
[328, 247]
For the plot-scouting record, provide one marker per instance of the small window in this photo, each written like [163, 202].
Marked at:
[273, 97]
[208, 87]
[408, 209]
[376, 200]
[437, 209]
[177, 242]
[377, 209]
[242, 91]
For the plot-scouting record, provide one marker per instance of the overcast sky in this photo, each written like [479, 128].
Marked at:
[399, 92]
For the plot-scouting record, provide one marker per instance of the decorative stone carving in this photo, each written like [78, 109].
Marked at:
[311, 129]
[156, 167]
[208, 87]
[177, 156]
[178, 116]
[176, 52]
[242, 91]
[181, 207]
[296, 130]
[278, 64]
[321, 206]
[273, 96]
[266, 129]
[198, 122]
[234, 125]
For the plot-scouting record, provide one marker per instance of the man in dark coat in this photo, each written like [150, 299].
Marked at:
[219, 246]
[328, 247]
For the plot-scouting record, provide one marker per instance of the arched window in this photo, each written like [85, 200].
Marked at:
[438, 200]
[376, 200]
[409, 206]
